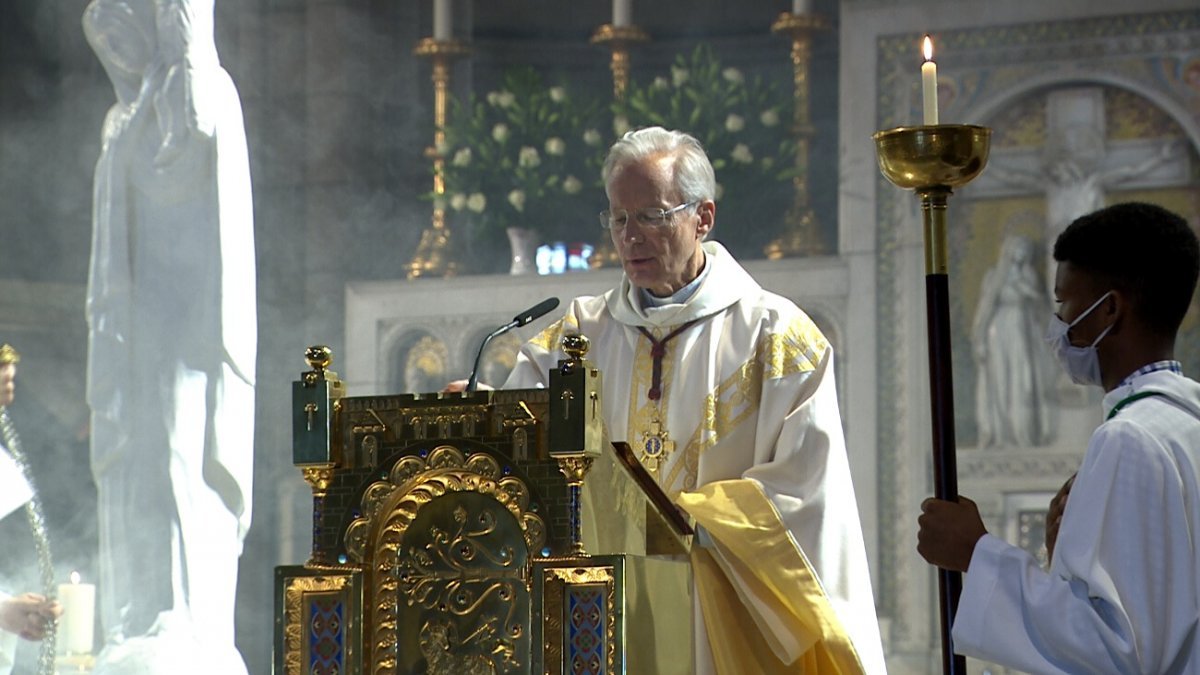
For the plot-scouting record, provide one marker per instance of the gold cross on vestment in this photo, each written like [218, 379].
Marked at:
[656, 447]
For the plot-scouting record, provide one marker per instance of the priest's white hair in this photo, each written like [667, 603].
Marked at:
[693, 173]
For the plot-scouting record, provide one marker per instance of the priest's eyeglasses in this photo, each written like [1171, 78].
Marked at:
[650, 217]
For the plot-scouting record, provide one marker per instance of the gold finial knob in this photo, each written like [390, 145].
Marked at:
[318, 357]
[8, 355]
[576, 346]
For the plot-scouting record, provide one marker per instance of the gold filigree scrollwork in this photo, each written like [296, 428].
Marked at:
[555, 581]
[484, 465]
[516, 489]
[293, 610]
[319, 478]
[441, 576]
[404, 470]
[389, 508]
[446, 457]
[356, 537]
[476, 654]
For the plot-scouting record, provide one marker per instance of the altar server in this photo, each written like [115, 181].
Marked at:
[1122, 593]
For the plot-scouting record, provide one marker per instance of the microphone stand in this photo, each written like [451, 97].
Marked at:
[519, 320]
[473, 381]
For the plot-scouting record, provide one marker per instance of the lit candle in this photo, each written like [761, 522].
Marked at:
[929, 84]
[801, 7]
[443, 20]
[75, 628]
[622, 13]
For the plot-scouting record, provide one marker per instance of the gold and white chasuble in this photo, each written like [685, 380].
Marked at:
[747, 438]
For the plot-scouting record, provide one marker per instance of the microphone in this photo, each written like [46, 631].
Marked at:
[519, 320]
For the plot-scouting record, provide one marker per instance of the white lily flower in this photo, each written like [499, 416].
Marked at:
[528, 157]
[741, 154]
[517, 199]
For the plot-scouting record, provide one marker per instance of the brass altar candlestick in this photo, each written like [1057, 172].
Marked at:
[802, 235]
[931, 161]
[433, 256]
[618, 39]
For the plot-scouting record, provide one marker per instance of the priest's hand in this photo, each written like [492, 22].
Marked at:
[458, 386]
[28, 615]
[1054, 516]
[948, 532]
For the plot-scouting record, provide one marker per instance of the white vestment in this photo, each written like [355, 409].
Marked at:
[747, 393]
[1123, 591]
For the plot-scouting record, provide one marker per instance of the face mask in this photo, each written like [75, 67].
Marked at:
[1082, 364]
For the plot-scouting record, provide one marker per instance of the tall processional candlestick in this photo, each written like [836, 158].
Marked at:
[932, 160]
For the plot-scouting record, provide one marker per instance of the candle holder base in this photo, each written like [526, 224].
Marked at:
[802, 238]
[794, 25]
[446, 49]
[618, 40]
[433, 256]
[73, 663]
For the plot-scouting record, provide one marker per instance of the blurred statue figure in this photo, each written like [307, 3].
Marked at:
[1012, 404]
[1074, 177]
[172, 341]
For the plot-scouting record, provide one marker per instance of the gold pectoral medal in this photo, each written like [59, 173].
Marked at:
[656, 447]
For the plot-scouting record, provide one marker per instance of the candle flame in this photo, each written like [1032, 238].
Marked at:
[75, 577]
[928, 48]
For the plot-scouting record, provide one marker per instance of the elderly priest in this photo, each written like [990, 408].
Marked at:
[726, 393]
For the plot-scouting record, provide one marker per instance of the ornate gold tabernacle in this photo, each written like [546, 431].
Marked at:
[486, 532]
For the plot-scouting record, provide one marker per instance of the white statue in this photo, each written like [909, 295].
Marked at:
[172, 341]
[1012, 401]
[1074, 178]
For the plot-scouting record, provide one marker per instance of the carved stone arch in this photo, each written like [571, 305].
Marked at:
[416, 361]
[990, 106]
[445, 538]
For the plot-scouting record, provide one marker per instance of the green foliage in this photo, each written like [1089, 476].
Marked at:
[526, 155]
[529, 155]
[744, 124]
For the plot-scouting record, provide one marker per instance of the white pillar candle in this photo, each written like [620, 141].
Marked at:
[75, 627]
[622, 13]
[801, 7]
[929, 98]
[443, 20]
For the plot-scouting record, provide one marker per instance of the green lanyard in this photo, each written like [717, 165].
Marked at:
[1130, 399]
